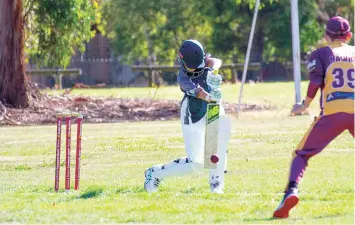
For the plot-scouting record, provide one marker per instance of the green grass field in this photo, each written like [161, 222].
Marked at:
[279, 94]
[115, 155]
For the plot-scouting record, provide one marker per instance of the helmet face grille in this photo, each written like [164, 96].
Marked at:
[197, 73]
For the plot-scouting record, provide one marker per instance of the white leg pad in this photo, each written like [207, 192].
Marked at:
[224, 134]
[178, 167]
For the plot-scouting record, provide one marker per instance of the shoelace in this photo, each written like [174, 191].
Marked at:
[156, 182]
[215, 185]
[148, 178]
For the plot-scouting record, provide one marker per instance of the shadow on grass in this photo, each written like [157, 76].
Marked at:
[294, 219]
[91, 194]
[189, 191]
[332, 216]
[125, 190]
[269, 219]
[265, 219]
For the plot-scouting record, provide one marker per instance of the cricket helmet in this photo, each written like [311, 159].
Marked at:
[192, 57]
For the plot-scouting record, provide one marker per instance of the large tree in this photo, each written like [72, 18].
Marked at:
[12, 77]
[45, 30]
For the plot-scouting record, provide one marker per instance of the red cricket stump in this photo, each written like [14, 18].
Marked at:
[57, 155]
[60, 121]
[78, 151]
[67, 153]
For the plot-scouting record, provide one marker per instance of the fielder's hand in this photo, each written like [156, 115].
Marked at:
[299, 109]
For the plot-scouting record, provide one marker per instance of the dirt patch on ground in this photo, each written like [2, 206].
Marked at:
[44, 109]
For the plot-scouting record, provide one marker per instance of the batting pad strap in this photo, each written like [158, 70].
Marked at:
[182, 160]
[179, 167]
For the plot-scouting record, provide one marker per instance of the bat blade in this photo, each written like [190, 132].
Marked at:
[211, 134]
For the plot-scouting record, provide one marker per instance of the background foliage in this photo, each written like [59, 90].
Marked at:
[152, 31]
[55, 29]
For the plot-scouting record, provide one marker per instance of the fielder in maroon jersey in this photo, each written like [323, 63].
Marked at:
[331, 69]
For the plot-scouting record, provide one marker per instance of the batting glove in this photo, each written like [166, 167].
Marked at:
[214, 81]
[214, 96]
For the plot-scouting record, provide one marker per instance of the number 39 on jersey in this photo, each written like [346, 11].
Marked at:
[338, 92]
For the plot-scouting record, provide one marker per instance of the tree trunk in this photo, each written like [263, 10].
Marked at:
[234, 79]
[152, 74]
[256, 54]
[13, 91]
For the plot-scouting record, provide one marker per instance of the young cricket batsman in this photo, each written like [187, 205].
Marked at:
[331, 69]
[196, 79]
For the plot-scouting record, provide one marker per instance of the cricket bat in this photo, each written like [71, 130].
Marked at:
[211, 135]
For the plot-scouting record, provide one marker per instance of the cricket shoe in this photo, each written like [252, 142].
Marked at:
[216, 187]
[289, 201]
[151, 183]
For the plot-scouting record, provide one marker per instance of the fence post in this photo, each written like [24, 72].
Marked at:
[150, 77]
[234, 76]
[58, 80]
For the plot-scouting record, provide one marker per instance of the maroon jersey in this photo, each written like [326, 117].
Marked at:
[332, 70]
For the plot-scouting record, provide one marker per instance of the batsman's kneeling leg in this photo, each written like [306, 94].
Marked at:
[179, 167]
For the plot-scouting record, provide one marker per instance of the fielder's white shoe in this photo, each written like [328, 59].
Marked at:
[216, 187]
[151, 183]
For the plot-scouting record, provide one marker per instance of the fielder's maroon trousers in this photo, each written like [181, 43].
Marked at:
[322, 132]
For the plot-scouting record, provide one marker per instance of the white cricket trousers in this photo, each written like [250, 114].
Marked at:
[194, 139]
[194, 134]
